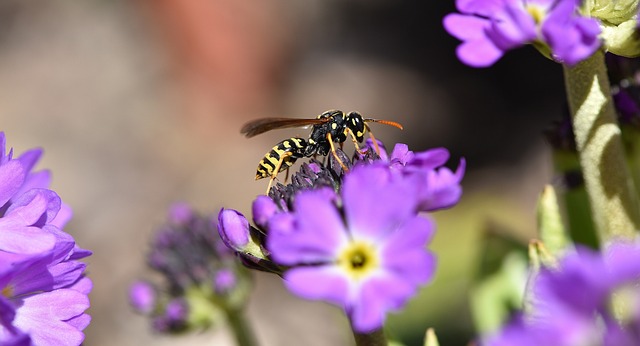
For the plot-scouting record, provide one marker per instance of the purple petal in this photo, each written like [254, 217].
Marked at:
[43, 315]
[79, 322]
[368, 143]
[623, 261]
[430, 159]
[585, 269]
[377, 297]
[38, 180]
[326, 283]
[572, 38]
[263, 208]
[7, 312]
[415, 232]
[14, 339]
[479, 53]
[466, 28]
[416, 266]
[318, 231]
[64, 215]
[233, 228]
[477, 49]
[3, 148]
[401, 154]
[42, 278]
[443, 189]
[12, 176]
[35, 207]
[64, 244]
[376, 201]
[405, 253]
[513, 26]
[24, 240]
[12, 263]
[29, 158]
[84, 286]
[484, 8]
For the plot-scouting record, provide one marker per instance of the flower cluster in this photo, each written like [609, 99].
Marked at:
[355, 238]
[43, 287]
[589, 299]
[489, 28]
[203, 280]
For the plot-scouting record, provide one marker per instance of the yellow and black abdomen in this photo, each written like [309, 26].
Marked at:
[282, 156]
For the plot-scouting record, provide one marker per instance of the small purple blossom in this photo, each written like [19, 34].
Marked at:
[142, 296]
[371, 261]
[489, 28]
[571, 303]
[44, 289]
[224, 281]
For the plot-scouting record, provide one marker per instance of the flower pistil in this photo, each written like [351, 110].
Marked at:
[358, 259]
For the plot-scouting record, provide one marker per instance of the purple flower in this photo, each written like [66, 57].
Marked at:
[488, 28]
[44, 290]
[224, 281]
[142, 296]
[363, 250]
[201, 277]
[571, 303]
[439, 187]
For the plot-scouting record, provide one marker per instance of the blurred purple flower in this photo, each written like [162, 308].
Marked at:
[224, 281]
[571, 303]
[368, 256]
[489, 28]
[142, 296]
[44, 290]
[200, 273]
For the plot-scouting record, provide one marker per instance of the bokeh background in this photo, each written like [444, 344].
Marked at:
[139, 103]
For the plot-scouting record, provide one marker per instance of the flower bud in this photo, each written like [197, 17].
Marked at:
[234, 229]
[611, 11]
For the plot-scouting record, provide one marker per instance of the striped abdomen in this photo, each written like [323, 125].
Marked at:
[284, 154]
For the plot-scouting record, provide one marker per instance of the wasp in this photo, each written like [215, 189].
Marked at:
[332, 126]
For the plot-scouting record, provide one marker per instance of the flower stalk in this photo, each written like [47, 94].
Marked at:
[374, 338]
[614, 205]
[241, 328]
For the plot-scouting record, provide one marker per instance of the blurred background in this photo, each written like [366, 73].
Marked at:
[139, 104]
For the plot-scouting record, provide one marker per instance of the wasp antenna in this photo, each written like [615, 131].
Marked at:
[386, 122]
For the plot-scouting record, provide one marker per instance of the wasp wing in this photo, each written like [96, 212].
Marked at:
[258, 126]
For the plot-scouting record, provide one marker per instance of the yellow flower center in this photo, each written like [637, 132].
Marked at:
[536, 13]
[7, 291]
[358, 259]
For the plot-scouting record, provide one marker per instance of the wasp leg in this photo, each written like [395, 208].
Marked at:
[355, 142]
[286, 175]
[276, 169]
[375, 142]
[333, 151]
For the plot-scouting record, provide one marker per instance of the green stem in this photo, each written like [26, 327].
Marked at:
[614, 204]
[375, 338]
[241, 329]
